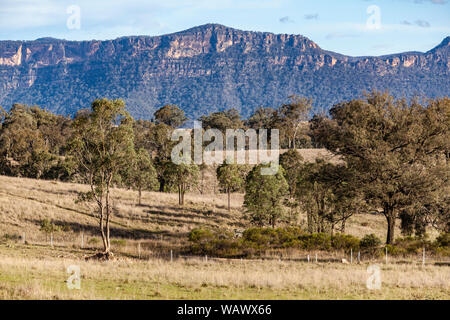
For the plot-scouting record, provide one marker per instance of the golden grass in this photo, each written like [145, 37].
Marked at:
[28, 275]
[24, 203]
[37, 271]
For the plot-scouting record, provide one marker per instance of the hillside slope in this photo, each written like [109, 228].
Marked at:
[160, 222]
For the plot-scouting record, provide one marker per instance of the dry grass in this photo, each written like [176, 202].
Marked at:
[28, 276]
[37, 271]
[24, 203]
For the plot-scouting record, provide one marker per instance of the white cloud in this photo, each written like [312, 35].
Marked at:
[286, 19]
[312, 16]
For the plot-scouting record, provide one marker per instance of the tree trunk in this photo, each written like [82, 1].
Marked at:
[390, 218]
[108, 240]
[229, 200]
[108, 215]
[343, 226]
[102, 227]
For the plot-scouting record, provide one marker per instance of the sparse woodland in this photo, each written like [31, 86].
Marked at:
[389, 156]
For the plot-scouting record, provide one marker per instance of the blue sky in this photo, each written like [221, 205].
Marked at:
[352, 27]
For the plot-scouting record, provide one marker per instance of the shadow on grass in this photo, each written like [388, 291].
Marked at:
[93, 230]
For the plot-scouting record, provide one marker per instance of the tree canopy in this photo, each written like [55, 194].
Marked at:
[398, 151]
[264, 195]
[102, 144]
[170, 115]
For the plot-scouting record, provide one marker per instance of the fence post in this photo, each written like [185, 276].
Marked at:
[206, 258]
[359, 256]
[386, 256]
[351, 255]
[82, 239]
[139, 250]
[308, 258]
[171, 255]
[23, 238]
[423, 257]
[316, 257]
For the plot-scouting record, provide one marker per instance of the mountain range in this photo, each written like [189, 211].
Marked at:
[207, 68]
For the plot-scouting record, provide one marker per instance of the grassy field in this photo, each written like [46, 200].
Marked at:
[143, 237]
[33, 272]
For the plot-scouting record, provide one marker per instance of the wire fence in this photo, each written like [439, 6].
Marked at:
[160, 248]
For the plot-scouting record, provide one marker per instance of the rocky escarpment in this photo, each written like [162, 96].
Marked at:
[206, 68]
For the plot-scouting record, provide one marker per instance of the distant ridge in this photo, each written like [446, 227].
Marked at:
[207, 68]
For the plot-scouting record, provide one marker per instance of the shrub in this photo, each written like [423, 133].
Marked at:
[370, 244]
[261, 237]
[289, 235]
[316, 241]
[443, 240]
[370, 241]
[220, 243]
[344, 242]
[255, 241]
[395, 250]
[48, 227]
[200, 235]
[443, 251]
[66, 228]
[226, 248]
[11, 237]
[413, 245]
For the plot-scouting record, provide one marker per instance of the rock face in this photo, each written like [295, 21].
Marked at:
[205, 69]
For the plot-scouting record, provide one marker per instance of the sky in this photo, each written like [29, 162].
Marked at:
[351, 27]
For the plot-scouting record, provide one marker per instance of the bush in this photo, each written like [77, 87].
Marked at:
[443, 251]
[289, 237]
[443, 240]
[395, 250]
[200, 235]
[413, 245]
[316, 241]
[369, 241]
[265, 238]
[344, 242]
[220, 243]
[48, 227]
[261, 237]
[255, 241]
[11, 237]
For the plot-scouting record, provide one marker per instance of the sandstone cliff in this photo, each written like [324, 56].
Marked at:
[205, 69]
